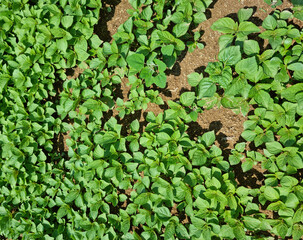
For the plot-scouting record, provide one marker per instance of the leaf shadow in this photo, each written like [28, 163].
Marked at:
[101, 28]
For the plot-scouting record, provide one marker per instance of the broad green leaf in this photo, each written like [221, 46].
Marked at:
[206, 89]
[269, 23]
[169, 230]
[225, 41]
[163, 138]
[182, 232]
[282, 229]
[271, 194]
[135, 125]
[199, 17]
[239, 232]
[67, 21]
[81, 49]
[147, 13]
[87, 93]
[249, 67]
[194, 79]
[247, 165]
[292, 201]
[297, 231]
[166, 37]
[230, 55]
[209, 138]
[187, 98]
[72, 195]
[136, 61]
[108, 137]
[251, 47]
[199, 158]
[274, 147]
[142, 199]
[251, 223]
[180, 29]
[95, 41]
[62, 211]
[244, 14]
[290, 92]
[246, 28]
[225, 25]
[167, 49]
[160, 80]
[162, 212]
[62, 45]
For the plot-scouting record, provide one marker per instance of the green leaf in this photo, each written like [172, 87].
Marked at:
[274, 147]
[194, 116]
[67, 21]
[87, 93]
[169, 230]
[194, 79]
[182, 232]
[297, 231]
[247, 165]
[81, 49]
[147, 13]
[251, 223]
[72, 195]
[136, 61]
[246, 28]
[225, 25]
[292, 201]
[166, 37]
[160, 80]
[163, 138]
[187, 98]
[271, 194]
[209, 138]
[62, 211]
[108, 137]
[199, 17]
[290, 92]
[230, 55]
[163, 213]
[263, 98]
[225, 41]
[269, 23]
[198, 158]
[95, 41]
[239, 232]
[282, 229]
[206, 89]
[135, 125]
[142, 199]
[62, 45]
[249, 67]
[180, 29]
[167, 49]
[251, 47]
[244, 14]
[161, 65]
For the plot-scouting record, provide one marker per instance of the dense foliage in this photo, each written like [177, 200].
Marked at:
[145, 180]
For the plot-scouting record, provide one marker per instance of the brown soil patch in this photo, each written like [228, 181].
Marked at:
[112, 15]
[227, 125]
[74, 72]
